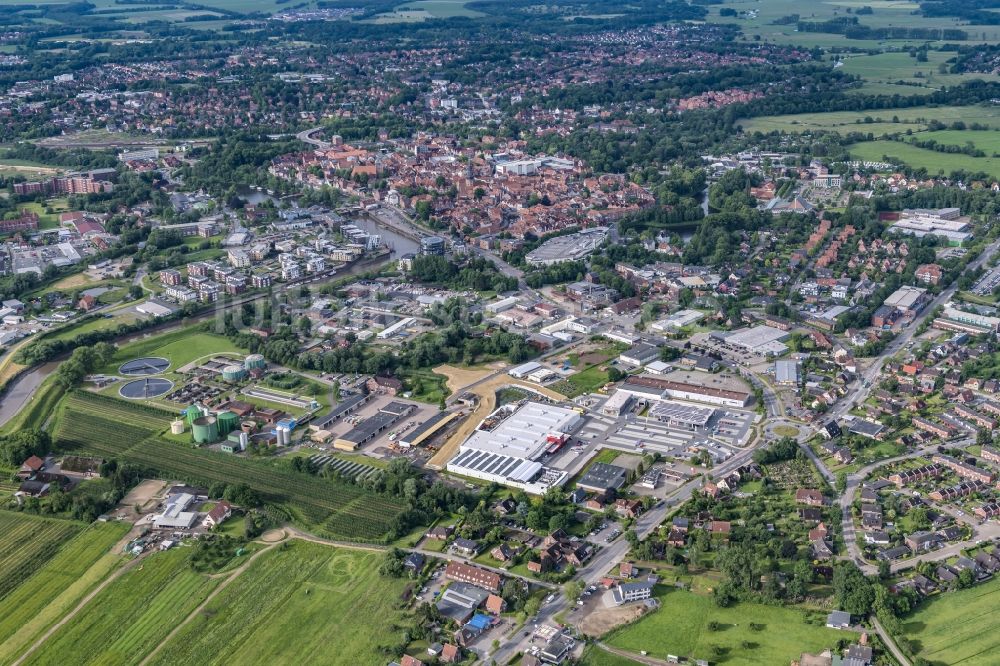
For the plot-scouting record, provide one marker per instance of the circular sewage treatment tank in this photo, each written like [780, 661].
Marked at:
[152, 387]
[150, 365]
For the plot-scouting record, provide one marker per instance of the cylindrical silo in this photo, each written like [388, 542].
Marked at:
[177, 427]
[227, 422]
[255, 362]
[205, 429]
[234, 373]
[244, 441]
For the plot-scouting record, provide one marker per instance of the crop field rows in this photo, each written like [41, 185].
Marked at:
[55, 586]
[113, 428]
[27, 542]
[299, 599]
[132, 615]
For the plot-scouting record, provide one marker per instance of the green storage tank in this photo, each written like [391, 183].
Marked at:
[228, 422]
[193, 412]
[234, 373]
[205, 429]
[255, 362]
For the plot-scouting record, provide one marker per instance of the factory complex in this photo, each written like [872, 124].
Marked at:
[507, 446]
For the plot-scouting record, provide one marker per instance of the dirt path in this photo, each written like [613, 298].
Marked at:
[233, 575]
[649, 661]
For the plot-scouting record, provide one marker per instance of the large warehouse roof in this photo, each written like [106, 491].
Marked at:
[526, 432]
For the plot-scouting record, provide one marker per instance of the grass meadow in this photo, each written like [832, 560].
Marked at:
[299, 599]
[681, 627]
[958, 627]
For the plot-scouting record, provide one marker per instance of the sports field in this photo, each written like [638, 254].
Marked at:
[681, 627]
[298, 599]
[961, 627]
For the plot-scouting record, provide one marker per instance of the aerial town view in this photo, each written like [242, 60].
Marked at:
[500, 332]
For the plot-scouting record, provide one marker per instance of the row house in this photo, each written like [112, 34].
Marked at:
[910, 476]
[963, 469]
[980, 419]
[942, 431]
[963, 489]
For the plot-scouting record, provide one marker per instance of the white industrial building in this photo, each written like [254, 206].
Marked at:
[763, 340]
[175, 515]
[506, 447]
[677, 320]
[786, 373]
[395, 328]
[523, 370]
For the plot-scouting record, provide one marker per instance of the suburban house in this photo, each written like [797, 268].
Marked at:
[219, 514]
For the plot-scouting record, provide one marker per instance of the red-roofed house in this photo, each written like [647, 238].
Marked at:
[451, 654]
[219, 514]
[495, 604]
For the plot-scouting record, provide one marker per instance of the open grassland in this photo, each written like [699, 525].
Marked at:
[130, 617]
[961, 627]
[114, 428]
[299, 599]
[898, 66]
[56, 587]
[27, 542]
[931, 160]
[887, 13]
[180, 347]
[914, 118]
[422, 10]
[680, 627]
[986, 140]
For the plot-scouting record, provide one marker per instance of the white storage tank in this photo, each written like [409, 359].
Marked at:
[177, 427]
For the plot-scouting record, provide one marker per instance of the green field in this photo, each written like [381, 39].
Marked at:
[422, 10]
[931, 160]
[595, 656]
[114, 428]
[914, 118]
[986, 140]
[298, 599]
[132, 615]
[680, 627]
[887, 13]
[180, 347]
[57, 586]
[27, 542]
[898, 66]
[958, 627]
[582, 382]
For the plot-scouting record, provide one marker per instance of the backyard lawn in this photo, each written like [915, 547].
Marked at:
[681, 627]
